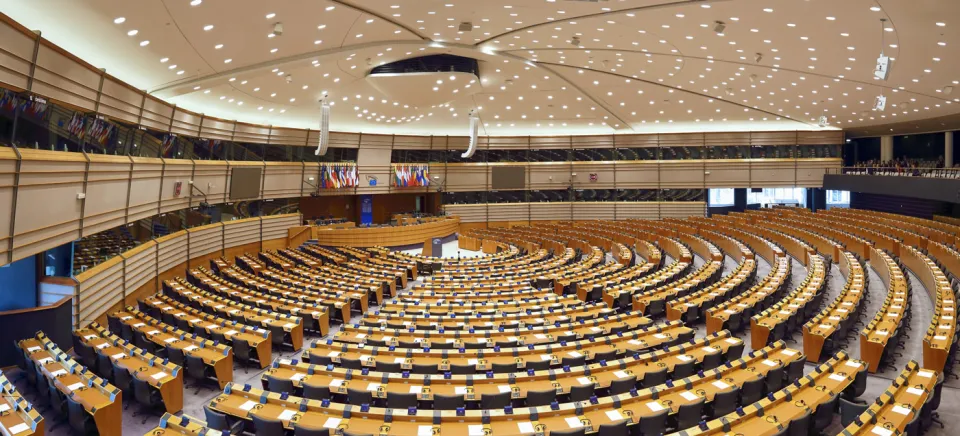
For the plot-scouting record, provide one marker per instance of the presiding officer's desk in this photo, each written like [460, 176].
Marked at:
[17, 416]
[98, 397]
[244, 401]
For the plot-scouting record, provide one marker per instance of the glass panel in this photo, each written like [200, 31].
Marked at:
[593, 154]
[595, 195]
[637, 195]
[642, 153]
[721, 197]
[778, 196]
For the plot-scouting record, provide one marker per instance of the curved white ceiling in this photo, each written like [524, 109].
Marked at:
[641, 66]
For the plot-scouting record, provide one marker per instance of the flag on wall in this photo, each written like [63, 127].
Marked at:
[8, 100]
[411, 175]
[33, 106]
[338, 175]
[99, 131]
[75, 126]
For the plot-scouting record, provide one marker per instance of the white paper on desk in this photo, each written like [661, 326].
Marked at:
[336, 383]
[4, 407]
[170, 340]
[881, 333]
[195, 320]
[475, 430]
[190, 348]
[74, 387]
[584, 381]
[290, 325]
[424, 430]
[573, 422]
[621, 374]
[655, 406]
[574, 354]
[103, 345]
[915, 391]
[460, 390]
[925, 374]
[732, 341]
[853, 364]
[614, 415]
[58, 372]
[332, 423]
[788, 352]
[248, 406]
[89, 337]
[334, 354]
[545, 357]
[373, 386]
[503, 388]
[940, 338]
[416, 389]
[684, 357]
[19, 428]
[138, 325]
[901, 410]
[159, 376]
[720, 385]
[286, 415]
[837, 377]
[45, 360]
[399, 359]
[689, 396]
[710, 349]
[298, 377]
[769, 363]
[543, 336]
[880, 431]
[525, 427]
[153, 332]
[118, 356]
[125, 318]
[361, 335]
[33, 349]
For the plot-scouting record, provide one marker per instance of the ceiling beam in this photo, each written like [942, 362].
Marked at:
[350, 5]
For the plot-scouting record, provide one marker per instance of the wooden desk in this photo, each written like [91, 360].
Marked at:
[392, 236]
[637, 340]
[219, 357]
[99, 398]
[491, 318]
[817, 330]
[520, 383]
[17, 416]
[940, 333]
[257, 338]
[731, 283]
[878, 332]
[898, 405]
[819, 387]
[770, 287]
[763, 323]
[241, 402]
[172, 425]
[167, 378]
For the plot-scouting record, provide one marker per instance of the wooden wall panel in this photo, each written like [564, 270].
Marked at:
[16, 52]
[108, 180]
[283, 180]
[724, 174]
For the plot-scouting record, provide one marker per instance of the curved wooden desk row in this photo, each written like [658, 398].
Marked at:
[472, 386]
[938, 340]
[774, 413]
[217, 356]
[526, 335]
[351, 279]
[390, 236]
[621, 343]
[654, 301]
[316, 305]
[899, 405]
[160, 374]
[229, 309]
[388, 279]
[511, 274]
[242, 402]
[620, 295]
[17, 416]
[488, 318]
[838, 316]
[442, 308]
[339, 289]
[736, 309]
[804, 298]
[188, 319]
[99, 398]
[733, 283]
[878, 332]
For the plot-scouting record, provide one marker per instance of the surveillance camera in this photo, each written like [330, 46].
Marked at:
[278, 29]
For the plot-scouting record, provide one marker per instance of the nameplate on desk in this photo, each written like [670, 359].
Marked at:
[286, 415]
[158, 376]
[58, 373]
[4, 408]
[74, 386]
[19, 428]
[118, 356]
[332, 423]
[248, 406]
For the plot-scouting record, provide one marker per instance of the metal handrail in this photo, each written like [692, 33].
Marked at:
[932, 172]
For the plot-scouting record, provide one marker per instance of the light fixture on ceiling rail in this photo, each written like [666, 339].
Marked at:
[277, 29]
[881, 102]
[466, 26]
[474, 129]
[288, 78]
[823, 121]
[882, 71]
[575, 41]
[758, 57]
[720, 27]
[947, 90]
[753, 78]
[324, 127]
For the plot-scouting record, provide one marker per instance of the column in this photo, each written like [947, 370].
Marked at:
[947, 149]
[886, 148]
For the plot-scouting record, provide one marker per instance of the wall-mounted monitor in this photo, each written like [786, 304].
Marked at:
[245, 183]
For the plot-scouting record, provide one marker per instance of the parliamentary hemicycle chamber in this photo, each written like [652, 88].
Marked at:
[479, 218]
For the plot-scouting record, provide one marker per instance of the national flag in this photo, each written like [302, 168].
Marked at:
[8, 101]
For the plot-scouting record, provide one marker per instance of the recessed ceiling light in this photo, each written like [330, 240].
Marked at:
[133, 32]
[180, 73]
[164, 60]
[218, 46]
[875, 8]
[144, 43]
[330, 8]
[273, 50]
[208, 27]
[228, 61]
[941, 24]
[705, 6]
[831, 18]
[119, 20]
[767, 10]
[271, 15]
[196, 2]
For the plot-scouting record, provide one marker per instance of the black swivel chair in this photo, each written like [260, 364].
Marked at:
[654, 378]
[80, 421]
[504, 368]
[392, 367]
[654, 425]
[684, 369]
[402, 401]
[419, 368]
[267, 426]
[541, 398]
[538, 365]
[147, 396]
[242, 353]
[351, 363]
[622, 386]
[220, 421]
[357, 397]
[175, 355]
[197, 370]
[122, 380]
[689, 414]
[58, 403]
[571, 432]
[724, 403]
[774, 379]
[712, 360]
[850, 410]
[582, 392]
[276, 384]
[140, 341]
[495, 401]
[751, 391]
[105, 367]
[126, 332]
[315, 392]
[801, 425]
[614, 429]
[573, 361]
[447, 402]
[823, 416]
[277, 337]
